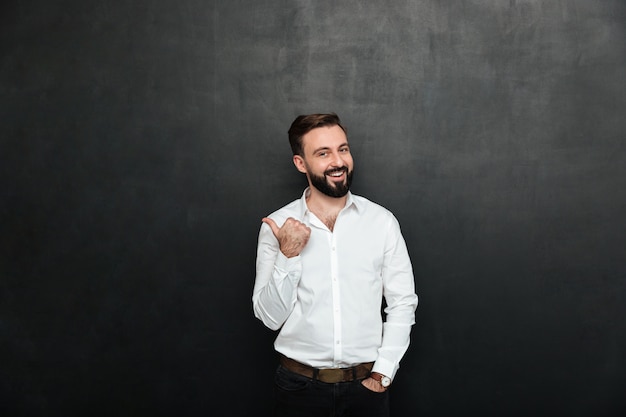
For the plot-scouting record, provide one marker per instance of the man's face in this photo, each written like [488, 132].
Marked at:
[327, 161]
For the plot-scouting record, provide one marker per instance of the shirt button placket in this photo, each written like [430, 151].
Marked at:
[336, 298]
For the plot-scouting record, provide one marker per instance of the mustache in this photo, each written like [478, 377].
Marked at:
[334, 170]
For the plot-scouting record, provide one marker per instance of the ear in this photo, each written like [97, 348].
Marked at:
[299, 163]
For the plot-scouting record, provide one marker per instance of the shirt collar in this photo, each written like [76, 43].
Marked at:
[350, 201]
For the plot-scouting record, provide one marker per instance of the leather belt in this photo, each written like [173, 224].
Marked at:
[330, 376]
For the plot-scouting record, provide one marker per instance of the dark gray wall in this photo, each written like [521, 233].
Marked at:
[142, 142]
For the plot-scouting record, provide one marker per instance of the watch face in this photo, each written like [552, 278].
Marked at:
[385, 381]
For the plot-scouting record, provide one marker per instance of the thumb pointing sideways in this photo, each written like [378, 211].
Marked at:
[272, 224]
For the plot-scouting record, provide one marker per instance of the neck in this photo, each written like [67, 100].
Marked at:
[324, 207]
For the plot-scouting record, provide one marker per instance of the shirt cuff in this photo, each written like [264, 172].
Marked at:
[385, 367]
[287, 264]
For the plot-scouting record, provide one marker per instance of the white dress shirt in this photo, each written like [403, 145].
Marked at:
[327, 301]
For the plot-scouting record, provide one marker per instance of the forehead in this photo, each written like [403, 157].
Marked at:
[324, 137]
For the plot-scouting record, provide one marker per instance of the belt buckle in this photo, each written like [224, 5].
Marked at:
[331, 376]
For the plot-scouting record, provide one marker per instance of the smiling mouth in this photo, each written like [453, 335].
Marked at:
[336, 172]
[337, 177]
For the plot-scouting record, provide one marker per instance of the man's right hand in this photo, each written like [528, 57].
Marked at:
[292, 236]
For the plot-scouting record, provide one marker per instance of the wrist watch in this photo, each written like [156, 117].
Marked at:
[383, 380]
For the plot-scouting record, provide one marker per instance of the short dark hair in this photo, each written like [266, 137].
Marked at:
[304, 123]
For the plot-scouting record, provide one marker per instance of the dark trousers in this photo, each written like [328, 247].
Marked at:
[298, 396]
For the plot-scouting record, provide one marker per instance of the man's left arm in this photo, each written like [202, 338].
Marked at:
[401, 300]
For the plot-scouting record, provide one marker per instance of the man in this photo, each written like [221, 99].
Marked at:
[324, 264]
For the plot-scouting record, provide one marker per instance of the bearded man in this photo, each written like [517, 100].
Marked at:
[329, 264]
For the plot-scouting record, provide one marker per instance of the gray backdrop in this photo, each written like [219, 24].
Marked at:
[142, 142]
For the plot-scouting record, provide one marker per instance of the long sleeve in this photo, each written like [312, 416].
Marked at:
[399, 293]
[277, 277]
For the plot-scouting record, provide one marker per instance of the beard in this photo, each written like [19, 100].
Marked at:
[335, 190]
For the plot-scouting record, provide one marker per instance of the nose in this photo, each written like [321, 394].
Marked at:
[337, 160]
